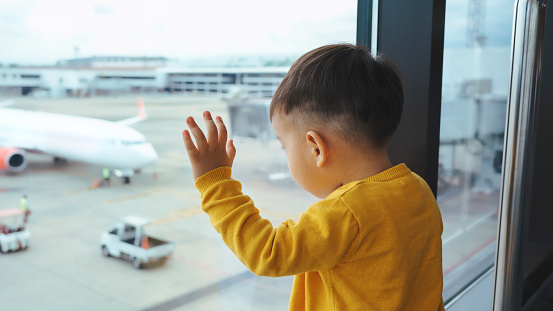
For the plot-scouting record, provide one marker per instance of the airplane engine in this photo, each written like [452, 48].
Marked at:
[12, 159]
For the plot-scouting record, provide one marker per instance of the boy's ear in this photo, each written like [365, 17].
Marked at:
[317, 147]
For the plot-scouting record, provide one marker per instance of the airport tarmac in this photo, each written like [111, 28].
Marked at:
[63, 269]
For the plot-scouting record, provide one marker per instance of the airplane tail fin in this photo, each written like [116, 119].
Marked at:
[141, 109]
[140, 117]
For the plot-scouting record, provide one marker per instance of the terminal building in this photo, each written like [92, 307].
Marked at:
[113, 75]
[251, 82]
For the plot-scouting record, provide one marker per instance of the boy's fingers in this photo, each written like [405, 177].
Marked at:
[222, 129]
[188, 143]
[210, 128]
[231, 150]
[197, 132]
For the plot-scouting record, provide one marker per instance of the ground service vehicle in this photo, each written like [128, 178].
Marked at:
[127, 240]
[13, 235]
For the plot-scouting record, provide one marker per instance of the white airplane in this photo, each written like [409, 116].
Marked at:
[112, 145]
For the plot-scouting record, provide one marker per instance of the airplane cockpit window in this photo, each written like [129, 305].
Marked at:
[135, 142]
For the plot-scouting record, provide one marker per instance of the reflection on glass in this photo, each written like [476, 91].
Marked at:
[97, 59]
[474, 96]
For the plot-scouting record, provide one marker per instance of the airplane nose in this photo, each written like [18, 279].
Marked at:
[138, 156]
[150, 154]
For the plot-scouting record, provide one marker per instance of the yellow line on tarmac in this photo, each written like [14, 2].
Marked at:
[172, 192]
[78, 190]
[196, 210]
[178, 214]
[131, 197]
[279, 214]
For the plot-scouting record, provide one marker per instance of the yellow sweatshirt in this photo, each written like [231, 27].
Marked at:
[373, 244]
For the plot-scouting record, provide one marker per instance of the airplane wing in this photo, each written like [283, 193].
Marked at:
[140, 117]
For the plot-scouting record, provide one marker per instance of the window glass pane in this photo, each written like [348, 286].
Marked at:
[474, 97]
[104, 60]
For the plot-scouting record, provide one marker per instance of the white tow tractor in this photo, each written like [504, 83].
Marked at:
[13, 235]
[127, 240]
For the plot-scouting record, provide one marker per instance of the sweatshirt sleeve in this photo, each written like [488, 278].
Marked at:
[322, 236]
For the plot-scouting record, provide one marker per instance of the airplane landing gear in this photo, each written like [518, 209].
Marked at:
[125, 175]
[58, 160]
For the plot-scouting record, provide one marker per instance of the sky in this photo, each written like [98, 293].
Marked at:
[44, 31]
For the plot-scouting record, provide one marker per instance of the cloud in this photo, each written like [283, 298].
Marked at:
[43, 31]
[101, 8]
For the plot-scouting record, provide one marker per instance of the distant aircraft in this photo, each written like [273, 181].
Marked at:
[103, 143]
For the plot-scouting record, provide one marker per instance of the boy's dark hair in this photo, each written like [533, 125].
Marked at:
[342, 88]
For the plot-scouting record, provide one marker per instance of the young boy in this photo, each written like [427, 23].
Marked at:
[374, 240]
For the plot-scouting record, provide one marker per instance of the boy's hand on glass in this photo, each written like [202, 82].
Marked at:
[211, 152]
